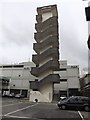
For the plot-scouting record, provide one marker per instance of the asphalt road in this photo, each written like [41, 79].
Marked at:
[23, 109]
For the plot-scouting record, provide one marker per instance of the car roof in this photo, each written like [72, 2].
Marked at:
[82, 97]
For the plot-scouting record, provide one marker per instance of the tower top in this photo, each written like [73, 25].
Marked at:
[46, 9]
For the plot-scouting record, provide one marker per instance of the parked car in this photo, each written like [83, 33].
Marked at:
[77, 102]
[5, 93]
[63, 97]
[19, 96]
[11, 95]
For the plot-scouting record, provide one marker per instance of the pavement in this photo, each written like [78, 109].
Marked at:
[21, 109]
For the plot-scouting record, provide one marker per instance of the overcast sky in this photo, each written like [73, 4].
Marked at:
[17, 27]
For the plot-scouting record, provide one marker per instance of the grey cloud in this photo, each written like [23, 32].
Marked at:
[19, 26]
[73, 47]
[21, 36]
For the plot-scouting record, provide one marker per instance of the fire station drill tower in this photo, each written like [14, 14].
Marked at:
[46, 58]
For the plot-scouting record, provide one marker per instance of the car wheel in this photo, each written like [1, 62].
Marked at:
[63, 107]
[87, 108]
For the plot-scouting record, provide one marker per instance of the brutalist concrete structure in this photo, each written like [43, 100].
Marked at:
[47, 54]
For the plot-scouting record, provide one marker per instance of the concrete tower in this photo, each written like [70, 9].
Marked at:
[47, 54]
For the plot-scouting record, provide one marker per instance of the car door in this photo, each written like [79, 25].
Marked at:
[72, 103]
[82, 102]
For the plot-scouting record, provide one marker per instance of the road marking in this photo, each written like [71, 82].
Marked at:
[11, 116]
[16, 116]
[10, 104]
[14, 103]
[75, 112]
[8, 101]
[81, 115]
[20, 109]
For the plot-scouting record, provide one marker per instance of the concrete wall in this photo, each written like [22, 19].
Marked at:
[73, 71]
[63, 64]
[19, 76]
[46, 15]
[10, 72]
[47, 91]
[73, 82]
[37, 95]
[19, 84]
[61, 86]
[22, 82]
[71, 76]
[43, 95]
[63, 74]
[46, 58]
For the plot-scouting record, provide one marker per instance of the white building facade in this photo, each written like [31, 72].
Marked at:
[69, 80]
[15, 78]
[18, 77]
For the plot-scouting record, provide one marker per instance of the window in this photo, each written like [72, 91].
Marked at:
[17, 66]
[9, 66]
[63, 69]
[73, 99]
[35, 89]
[63, 93]
[84, 99]
[63, 80]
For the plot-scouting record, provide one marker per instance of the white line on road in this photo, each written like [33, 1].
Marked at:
[16, 116]
[20, 109]
[81, 115]
[11, 104]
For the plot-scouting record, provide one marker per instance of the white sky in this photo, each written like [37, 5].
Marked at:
[17, 27]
